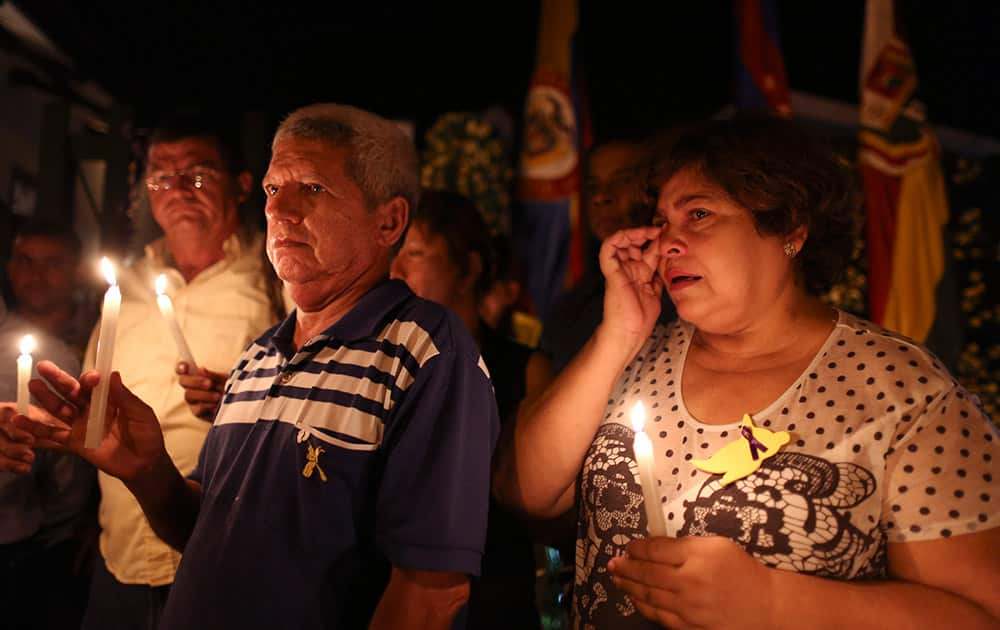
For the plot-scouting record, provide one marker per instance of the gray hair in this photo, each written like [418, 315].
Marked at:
[381, 158]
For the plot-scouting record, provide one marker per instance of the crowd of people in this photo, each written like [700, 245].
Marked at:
[362, 439]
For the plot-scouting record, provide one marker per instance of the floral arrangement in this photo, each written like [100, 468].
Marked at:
[465, 154]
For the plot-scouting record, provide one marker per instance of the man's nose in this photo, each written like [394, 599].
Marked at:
[282, 207]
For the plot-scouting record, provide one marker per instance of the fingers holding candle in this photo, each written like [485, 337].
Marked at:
[203, 390]
[693, 579]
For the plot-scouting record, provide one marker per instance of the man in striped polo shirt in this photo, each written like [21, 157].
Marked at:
[345, 480]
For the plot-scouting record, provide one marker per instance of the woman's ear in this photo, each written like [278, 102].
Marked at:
[798, 237]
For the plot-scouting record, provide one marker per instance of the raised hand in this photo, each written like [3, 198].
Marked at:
[133, 441]
[202, 390]
[695, 582]
[629, 260]
[17, 444]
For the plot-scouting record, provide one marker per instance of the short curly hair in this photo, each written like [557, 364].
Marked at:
[459, 222]
[784, 176]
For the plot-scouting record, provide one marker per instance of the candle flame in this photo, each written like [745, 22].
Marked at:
[161, 284]
[27, 344]
[638, 416]
[108, 270]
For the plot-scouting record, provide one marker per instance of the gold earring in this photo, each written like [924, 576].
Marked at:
[790, 250]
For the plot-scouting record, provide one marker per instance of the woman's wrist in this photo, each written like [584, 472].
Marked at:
[615, 347]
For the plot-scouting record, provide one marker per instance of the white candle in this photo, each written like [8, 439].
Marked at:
[643, 449]
[105, 350]
[167, 310]
[24, 374]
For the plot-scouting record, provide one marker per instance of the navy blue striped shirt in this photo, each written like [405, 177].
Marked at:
[367, 447]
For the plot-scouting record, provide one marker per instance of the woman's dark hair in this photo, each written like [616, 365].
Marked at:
[457, 220]
[784, 176]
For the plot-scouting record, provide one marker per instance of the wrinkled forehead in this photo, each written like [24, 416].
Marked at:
[185, 152]
[291, 151]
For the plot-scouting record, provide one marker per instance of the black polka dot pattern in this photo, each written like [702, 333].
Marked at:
[906, 448]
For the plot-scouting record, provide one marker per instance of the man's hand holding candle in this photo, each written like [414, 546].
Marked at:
[131, 445]
[202, 389]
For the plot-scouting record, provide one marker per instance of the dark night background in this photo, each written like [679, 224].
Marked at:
[647, 64]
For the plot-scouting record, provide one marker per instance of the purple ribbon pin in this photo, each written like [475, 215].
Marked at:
[755, 444]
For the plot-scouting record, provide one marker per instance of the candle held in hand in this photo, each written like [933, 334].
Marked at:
[24, 373]
[105, 351]
[167, 310]
[643, 449]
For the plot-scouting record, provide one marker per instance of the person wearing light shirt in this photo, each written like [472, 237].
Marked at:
[217, 279]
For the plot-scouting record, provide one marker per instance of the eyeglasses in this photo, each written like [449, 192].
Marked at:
[195, 176]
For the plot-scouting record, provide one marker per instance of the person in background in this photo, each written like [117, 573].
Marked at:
[811, 468]
[614, 198]
[212, 258]
[46, 512]
[447, 257]
[45, 279]
[497, 307]
[345, 480]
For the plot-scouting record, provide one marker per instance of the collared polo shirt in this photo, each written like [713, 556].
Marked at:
[368, 447]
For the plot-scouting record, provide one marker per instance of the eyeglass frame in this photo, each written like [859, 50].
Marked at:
[182, 174]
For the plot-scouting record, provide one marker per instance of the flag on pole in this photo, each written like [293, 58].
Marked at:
[907, 206]
[760, 69]
[556, 132]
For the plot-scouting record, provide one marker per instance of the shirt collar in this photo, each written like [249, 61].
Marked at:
[159, 254]
[363, 321]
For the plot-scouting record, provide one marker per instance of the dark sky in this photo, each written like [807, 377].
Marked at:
[648, 63]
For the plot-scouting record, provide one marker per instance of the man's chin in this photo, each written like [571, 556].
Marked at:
[185, 225]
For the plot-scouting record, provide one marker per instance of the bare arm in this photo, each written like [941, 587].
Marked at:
[169, 501]
[950, 582]
[420, 600]
[538, 464]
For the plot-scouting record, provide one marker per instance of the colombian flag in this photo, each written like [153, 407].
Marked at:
[904, 189]
[556, 133]
[760, 70]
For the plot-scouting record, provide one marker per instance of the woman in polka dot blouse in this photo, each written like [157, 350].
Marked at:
[880, 510]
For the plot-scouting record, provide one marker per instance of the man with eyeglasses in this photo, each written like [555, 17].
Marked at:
[219, 283]
[345, 481]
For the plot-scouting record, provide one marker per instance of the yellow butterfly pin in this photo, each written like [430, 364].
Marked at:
[745, 455]
[312, 462]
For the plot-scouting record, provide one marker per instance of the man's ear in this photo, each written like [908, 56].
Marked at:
[244, 182]
[393, 217]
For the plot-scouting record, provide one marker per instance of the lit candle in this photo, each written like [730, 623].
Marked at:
[643, 449]
[24, 373]
[167, 310]
[105, 350]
